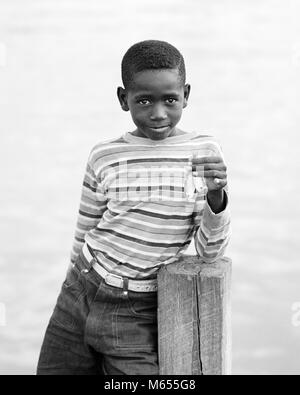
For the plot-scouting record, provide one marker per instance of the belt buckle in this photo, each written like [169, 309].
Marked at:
[114, 280]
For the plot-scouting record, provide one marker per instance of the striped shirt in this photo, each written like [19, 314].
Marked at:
[139, 208]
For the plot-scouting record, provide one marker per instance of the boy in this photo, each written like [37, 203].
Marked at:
[139, 210]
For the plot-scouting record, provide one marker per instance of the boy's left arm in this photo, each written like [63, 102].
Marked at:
[212, 234]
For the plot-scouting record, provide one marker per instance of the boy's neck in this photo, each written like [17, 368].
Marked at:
[176, 132]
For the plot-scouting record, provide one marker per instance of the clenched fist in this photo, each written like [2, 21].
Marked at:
[214, 170]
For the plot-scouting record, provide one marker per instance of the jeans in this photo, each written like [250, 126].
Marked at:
[97, 329]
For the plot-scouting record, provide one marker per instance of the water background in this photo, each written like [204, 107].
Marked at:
[59, 70]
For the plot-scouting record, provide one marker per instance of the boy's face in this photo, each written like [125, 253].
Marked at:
[155, 100]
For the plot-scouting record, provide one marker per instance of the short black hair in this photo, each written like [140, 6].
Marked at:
[151, 55]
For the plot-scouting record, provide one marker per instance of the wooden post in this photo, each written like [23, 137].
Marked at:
[194, 332]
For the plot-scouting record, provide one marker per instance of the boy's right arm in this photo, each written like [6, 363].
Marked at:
[92, 207]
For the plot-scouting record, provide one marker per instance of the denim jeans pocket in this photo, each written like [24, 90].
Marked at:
[143, 304]
[135, 328]
[72, 277]
[68, 305]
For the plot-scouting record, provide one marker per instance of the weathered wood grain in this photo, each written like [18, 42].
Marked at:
[194, 317]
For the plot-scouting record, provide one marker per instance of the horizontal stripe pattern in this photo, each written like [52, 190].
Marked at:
[135, 212]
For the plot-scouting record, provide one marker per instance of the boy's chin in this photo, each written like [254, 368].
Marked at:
[158, 134]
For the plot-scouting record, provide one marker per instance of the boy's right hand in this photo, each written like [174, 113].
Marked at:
[212, 169]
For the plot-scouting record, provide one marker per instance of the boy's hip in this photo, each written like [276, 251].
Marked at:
[92, 265]
[90, 314]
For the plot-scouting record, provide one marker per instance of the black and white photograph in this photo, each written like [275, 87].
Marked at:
[149, 216]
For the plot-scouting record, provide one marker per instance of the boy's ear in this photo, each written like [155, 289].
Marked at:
[187, 91]
[122, 96]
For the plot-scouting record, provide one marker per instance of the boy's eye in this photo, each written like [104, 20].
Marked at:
[171, 100]
[144, 102]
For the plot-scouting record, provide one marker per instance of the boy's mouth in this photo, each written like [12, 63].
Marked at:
[159, 128]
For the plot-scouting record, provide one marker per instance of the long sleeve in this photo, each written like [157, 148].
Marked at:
[212, 233]
[92, 207]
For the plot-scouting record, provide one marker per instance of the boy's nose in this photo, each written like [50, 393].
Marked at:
[158, 114]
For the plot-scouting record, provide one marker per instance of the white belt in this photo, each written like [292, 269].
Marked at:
[118, 281]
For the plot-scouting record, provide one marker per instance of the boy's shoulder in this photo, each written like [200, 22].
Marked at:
[105, 143]
[210, 142]
[102, 147]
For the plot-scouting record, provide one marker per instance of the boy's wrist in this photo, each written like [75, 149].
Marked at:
[216, 200]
